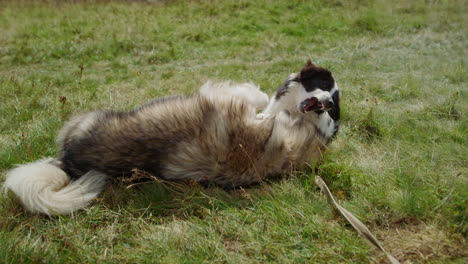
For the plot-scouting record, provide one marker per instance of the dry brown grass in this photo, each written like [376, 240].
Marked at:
[418, 242]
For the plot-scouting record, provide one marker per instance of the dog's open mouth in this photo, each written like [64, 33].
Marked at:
[311, 104]
[316, 105]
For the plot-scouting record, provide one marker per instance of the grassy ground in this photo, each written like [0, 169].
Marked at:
[399, 162]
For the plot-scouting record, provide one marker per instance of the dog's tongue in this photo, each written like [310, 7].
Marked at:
[310, 104]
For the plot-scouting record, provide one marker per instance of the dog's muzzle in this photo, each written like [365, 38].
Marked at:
[314, 104]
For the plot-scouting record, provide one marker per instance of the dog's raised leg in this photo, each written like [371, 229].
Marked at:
[247, 92]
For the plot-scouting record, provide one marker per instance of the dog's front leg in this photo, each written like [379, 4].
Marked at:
[293, 132]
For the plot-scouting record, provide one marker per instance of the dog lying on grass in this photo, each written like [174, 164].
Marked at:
[214, 136]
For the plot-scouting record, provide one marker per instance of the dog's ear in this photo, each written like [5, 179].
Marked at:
[311, 70]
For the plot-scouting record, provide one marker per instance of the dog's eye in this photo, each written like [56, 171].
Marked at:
[313, 84]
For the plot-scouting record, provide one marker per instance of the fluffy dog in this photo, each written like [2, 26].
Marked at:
[213, 136]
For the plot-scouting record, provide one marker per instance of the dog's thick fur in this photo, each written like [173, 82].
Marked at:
[213, 136]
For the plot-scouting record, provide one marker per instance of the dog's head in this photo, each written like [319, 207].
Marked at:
[312, 90]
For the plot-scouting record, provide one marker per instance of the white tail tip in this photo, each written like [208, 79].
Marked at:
[45, 188]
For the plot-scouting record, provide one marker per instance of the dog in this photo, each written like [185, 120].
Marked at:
[214, 136]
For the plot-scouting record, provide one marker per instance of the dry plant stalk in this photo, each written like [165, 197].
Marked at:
[358, 225]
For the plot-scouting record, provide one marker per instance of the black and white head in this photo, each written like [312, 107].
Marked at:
[312, 91]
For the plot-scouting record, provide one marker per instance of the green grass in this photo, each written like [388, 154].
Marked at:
[399, 162]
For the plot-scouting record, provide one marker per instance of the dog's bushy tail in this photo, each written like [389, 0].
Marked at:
[43, 187]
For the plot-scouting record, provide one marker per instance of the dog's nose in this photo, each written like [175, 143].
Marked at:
[327, 104]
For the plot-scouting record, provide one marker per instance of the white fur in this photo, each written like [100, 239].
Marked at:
[291, 101]
[326, 125]
[44, 188]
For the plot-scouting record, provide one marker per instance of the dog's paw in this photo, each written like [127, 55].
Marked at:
[263, 116]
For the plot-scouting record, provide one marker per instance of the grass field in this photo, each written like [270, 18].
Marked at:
[399, 162]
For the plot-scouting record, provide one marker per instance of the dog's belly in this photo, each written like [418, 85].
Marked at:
[233, 151]
[227, 163]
